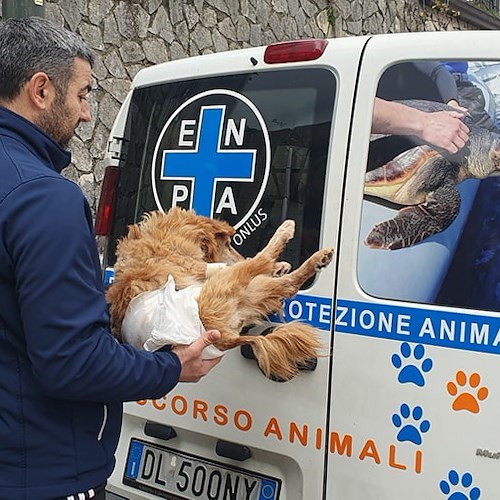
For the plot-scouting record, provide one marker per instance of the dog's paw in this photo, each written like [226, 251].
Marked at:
[287, 229]
[324, 257]
[281, 268]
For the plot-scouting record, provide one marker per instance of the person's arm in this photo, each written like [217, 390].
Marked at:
[63, 310]
[443, 129]
[442, 78]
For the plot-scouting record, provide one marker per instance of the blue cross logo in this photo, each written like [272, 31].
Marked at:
[207, 163]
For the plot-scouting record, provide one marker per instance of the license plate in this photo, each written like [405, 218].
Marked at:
[177, 475]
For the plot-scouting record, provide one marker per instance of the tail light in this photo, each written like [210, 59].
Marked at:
[106, 201]
[295, 51]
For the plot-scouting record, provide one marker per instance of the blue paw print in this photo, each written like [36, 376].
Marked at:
[454, 480]
[411, 373]
[410, 431]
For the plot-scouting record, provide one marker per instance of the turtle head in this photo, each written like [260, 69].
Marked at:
[484, 155]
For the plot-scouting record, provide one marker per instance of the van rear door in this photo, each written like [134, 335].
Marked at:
[416, 336]
[252, 143]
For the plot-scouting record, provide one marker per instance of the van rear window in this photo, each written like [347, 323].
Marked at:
[429, 229]
[249, 148]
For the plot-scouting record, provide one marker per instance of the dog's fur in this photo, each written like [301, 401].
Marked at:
[180, 243]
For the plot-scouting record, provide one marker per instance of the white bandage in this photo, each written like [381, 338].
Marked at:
[165, 317]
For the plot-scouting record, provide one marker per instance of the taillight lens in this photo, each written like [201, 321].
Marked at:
[106, 201]
[295, 51]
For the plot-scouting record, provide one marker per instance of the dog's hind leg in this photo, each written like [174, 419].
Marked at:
[227, 304]
[265, 292]
[290, 345]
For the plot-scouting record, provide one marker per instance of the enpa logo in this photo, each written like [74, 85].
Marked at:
[213, 156]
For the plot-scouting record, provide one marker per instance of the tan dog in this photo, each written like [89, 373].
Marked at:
[181, 244]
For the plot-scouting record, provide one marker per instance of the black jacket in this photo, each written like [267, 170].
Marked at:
[63, 377]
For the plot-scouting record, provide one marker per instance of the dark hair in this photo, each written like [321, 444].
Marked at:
[33, 44]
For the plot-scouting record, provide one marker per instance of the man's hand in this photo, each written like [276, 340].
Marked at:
[193, 367]
[445, 129]
[442, 129]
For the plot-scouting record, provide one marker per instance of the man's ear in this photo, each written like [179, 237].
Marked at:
[40, 90]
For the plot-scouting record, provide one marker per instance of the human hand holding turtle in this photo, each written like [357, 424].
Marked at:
[443, 129]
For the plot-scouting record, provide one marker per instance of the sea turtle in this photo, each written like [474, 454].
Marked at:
[424, 182]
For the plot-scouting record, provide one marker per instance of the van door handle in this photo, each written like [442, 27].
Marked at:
[160, 431]
[232, 450]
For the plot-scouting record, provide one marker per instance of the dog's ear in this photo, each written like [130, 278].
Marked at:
[210, 246]
[222, 229]
[223, 233]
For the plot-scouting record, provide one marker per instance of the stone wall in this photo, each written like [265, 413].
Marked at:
[128, 35]
[360, 17]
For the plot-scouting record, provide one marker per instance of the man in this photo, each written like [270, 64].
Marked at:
[63, 377]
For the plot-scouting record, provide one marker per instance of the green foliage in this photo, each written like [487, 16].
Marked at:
[440, 7]
[331, 14]
[443, 7]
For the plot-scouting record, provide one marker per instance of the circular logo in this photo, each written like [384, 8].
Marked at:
[213, 156]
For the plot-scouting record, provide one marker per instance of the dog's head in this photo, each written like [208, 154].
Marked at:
[215, 240]
[211, 236]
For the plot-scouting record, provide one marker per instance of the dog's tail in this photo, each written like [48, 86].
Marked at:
[283, 351]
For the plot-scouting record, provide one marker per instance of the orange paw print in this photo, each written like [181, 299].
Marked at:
[467, 399]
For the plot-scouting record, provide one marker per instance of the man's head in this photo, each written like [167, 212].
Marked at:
[45, 75]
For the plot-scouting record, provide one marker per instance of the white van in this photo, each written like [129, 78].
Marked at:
[406, 402]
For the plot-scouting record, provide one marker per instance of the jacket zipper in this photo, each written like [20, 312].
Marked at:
[104, 420]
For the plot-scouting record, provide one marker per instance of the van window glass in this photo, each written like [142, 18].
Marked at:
[430, 222]
[267, 135]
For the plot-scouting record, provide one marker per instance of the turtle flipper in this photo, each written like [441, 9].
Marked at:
[417, 222]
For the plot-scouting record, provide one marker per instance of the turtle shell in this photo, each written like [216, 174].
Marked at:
[391, 181]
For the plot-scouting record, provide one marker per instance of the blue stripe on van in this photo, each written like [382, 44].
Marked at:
[315, 311]
[109, 276]
[443, 328]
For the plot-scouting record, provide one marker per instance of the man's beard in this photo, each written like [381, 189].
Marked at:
[56, 122]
